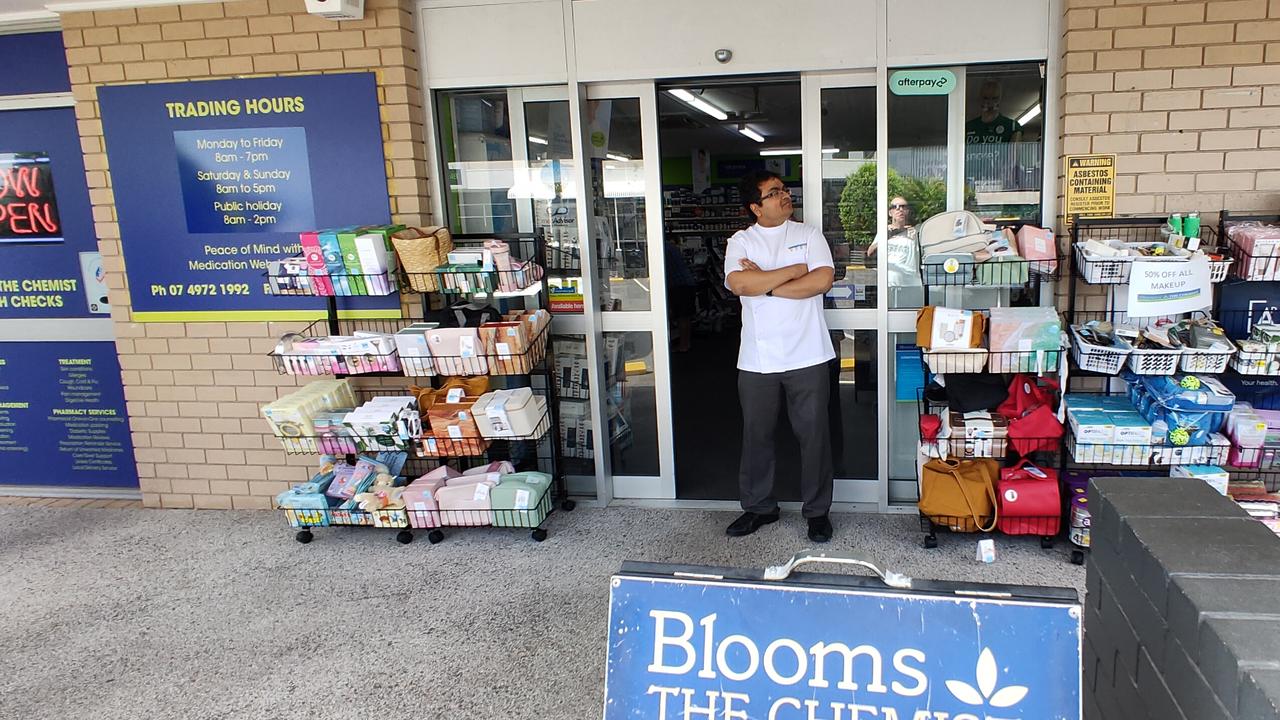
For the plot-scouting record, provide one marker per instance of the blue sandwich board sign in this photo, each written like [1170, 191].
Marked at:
[700, 643]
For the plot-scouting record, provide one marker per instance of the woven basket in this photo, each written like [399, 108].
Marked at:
[421, 251]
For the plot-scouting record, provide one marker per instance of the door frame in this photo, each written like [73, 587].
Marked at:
[868, 492]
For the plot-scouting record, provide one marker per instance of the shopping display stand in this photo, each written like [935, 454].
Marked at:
[1097, 371]
[1018, 279]
[538, 450]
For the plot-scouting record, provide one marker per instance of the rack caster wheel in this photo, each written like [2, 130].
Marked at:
[404, 537]
[304, 536]
[1046, 543]
[435, 537]
[538, 534]
[930, 542]
[1077, 557]
[568, 505]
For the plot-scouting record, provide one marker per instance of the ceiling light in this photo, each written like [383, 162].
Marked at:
[751, 134]
[616, 156]
[698, 103]
[794, 151]
[537, 140]
[1029, 115]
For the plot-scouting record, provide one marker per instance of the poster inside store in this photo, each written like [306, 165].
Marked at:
[49, 261]
[215, 181]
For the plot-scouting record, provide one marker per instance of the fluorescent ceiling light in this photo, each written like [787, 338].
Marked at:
[794, 151]
[1029, 115]
[698, 103]
[538, 140]
[616, 156]
[751, 134]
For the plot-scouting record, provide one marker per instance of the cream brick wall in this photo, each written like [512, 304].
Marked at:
[193, 390]
[1186, 93]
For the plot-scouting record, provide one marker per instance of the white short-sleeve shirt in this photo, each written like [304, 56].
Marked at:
[781, 334]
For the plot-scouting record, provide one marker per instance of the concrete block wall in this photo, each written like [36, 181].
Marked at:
[1182, 616]
[194, 389]
[1186, 94]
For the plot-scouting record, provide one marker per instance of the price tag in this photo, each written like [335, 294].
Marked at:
[522, 500]
[467, 346]
[482, 492]
[455, 432]
[504, 350]
[454, 396]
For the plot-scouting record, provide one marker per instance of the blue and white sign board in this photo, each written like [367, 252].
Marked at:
[701, 645]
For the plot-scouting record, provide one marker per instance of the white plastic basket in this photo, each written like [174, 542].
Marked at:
[1256, 363]
[1218, 270]
[1095, 358]
[1116, 270]
[1205, 361]
[969, 360]
[1154, 362]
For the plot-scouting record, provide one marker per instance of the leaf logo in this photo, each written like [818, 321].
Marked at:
[987, 675]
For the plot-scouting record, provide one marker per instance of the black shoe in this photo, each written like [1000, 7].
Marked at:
[820, 529]
[748, 523]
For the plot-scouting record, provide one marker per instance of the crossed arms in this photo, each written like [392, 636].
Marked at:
[796, 282]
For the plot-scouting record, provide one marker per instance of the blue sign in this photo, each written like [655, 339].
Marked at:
[34, 63]
[245, 180]
[213, 180]
[62, 416]
[681, 649]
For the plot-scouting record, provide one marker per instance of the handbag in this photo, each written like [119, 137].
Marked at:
[960, 494]
[1029, 500]
[1033, 424]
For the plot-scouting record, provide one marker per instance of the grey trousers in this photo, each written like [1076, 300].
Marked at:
[805, 393]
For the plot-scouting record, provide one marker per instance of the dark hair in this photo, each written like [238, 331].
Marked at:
[750, 187]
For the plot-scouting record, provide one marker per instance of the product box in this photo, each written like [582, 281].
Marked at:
[1092, 427]
[314, 256]
[1218, 478]
[1131, 428]
[371, 253]
[351, 263]
[332, 251]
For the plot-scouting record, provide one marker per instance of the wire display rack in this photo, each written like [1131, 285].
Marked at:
[1252, 263]
[537, 450]
[982, 360]
[492, 357]
[292, 284]
[995, 273]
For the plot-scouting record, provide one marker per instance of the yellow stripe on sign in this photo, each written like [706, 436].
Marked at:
[636, 367]
[847, 363]
[261, 315]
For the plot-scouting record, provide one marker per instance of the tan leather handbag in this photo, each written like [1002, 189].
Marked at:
[960, 494]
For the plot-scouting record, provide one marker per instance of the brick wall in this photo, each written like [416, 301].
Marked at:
[1181, 620]
[194, 389]
[1187, 94]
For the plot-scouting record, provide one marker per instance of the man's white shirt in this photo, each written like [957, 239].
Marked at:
[781, 334]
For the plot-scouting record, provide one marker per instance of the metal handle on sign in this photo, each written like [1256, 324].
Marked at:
[782, 572]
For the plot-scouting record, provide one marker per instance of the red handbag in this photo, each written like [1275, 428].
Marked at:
[1029, 500]
[1033, 424]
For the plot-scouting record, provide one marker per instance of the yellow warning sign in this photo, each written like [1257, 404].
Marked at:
[1090, 186]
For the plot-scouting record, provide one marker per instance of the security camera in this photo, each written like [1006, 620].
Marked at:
[337, 9]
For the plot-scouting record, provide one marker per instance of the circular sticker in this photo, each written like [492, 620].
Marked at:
[597, 139]
[1011, 495]
[951, 265]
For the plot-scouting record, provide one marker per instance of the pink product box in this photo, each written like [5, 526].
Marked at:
[1244, 457]
[1038, 244]
[420, 501]
[465, 505]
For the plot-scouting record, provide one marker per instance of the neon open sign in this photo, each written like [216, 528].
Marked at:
[28, 206]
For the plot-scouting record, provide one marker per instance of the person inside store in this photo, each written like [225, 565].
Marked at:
[681, 296]
[990, 127]
[780, 269]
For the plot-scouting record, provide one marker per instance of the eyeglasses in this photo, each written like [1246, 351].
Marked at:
[776, 192]
[899, 206]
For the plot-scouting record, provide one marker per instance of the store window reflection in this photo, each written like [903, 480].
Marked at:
[631, 403]
[1004, 124]
[917, 187]
[618, 230]
[577, 432]
[475, 146]
[849, 193]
